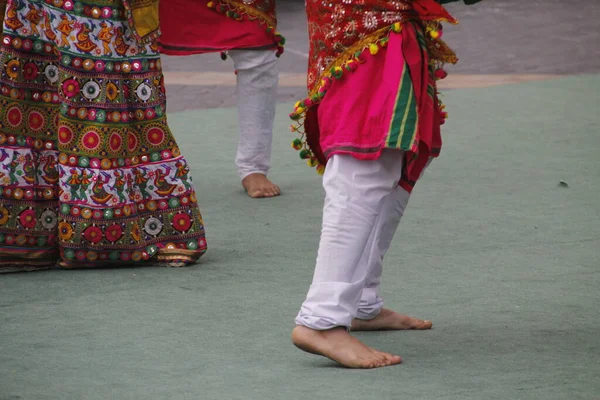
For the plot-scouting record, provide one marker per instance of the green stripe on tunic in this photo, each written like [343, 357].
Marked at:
[404, 119]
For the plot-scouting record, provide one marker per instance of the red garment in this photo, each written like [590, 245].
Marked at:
[371, 82]
[383, 104]
[192, 27]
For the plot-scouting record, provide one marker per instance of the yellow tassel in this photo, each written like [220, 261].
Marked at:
[434, 34]
[299, 110]
[297, 104]
[210, 4]
[397, 27]
[312, 162]
[373, 49]
[320, 169]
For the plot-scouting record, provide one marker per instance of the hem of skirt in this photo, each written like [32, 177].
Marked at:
[25, 266]
[239, 11]
[369, 152]
[17, 259]
[171, 50]
[360, 153]
[346, 63]
[164, 257]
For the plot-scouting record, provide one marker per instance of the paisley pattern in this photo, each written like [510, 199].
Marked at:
[86, 155]
[336, 26]
[338, 29]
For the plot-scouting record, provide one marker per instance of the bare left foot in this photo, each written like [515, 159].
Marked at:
[258, 186]
[389, 320]
[338, 345]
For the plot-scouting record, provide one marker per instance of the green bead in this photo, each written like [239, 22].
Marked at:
[155, 157]
[65, 209]
[64, 108]
[113, 255]
[66, 60]
[21, 141]
[108, 213]
[78, 8]
[70, 254]
[174, 202]
[41, 241]
[159, 111]
[39, 46]
[101, 116]
[84, 161]
[152, 250]
[304, 154]
[108, 67]
[192, 245]
[1, 237]
[121, 162]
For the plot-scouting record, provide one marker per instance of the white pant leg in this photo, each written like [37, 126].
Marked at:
[393, 208]
[257, 79]
[355, 191]
[371, 301]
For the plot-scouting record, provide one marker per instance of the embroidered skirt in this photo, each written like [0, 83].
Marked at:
[90, 174]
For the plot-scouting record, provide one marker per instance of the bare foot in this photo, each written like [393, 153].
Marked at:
[390, 320]
[338, 345]
[258, 186]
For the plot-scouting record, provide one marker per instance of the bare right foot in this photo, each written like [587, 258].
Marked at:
[338, 345]
[259, 186]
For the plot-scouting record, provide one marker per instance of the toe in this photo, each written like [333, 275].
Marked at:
[391, 359]
[256, 193]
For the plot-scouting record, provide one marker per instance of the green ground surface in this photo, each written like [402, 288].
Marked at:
[503, 259]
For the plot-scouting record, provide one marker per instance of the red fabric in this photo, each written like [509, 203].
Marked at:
[191, 27]
[354, 117]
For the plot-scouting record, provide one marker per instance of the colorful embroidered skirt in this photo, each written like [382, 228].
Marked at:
[195, 27]
[90, 174]
[375, 92]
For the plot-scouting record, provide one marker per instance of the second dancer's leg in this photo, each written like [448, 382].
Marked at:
[257, 80]
[371, 315]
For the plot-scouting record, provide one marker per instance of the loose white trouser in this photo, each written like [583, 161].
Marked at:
[257, 79]
[363, 207]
